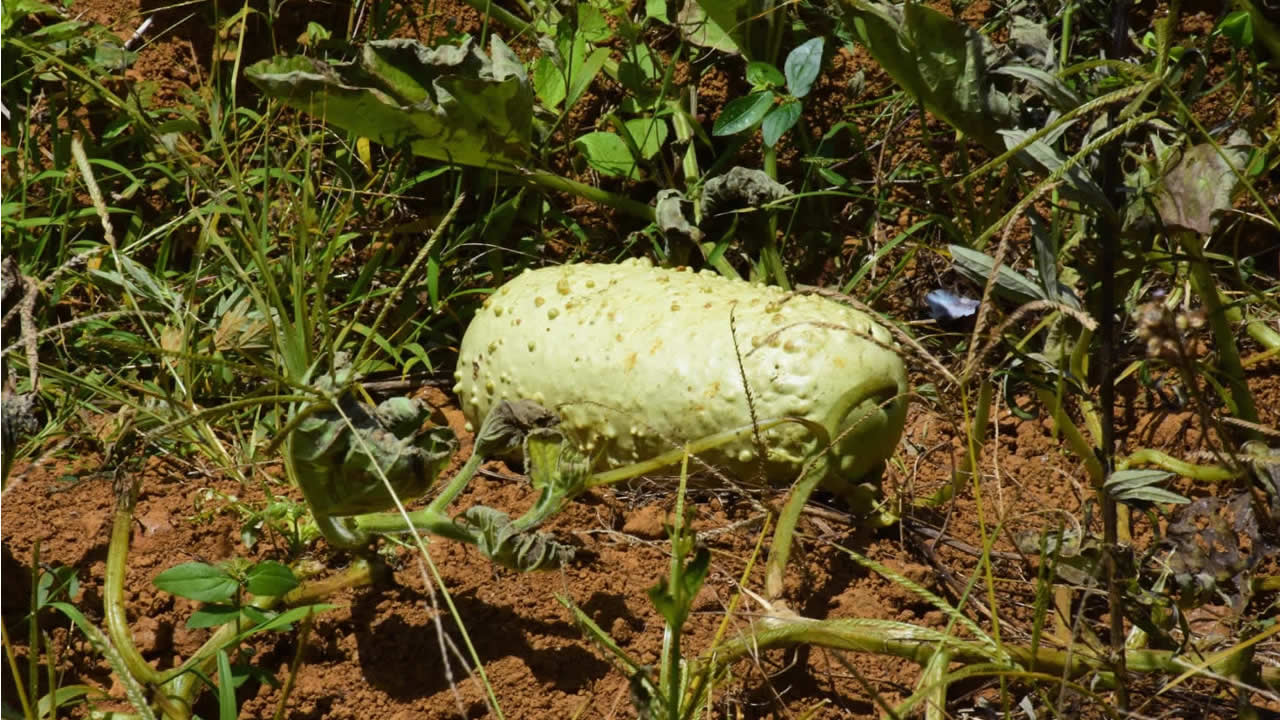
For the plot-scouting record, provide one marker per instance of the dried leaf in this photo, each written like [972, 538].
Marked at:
[1202, 183]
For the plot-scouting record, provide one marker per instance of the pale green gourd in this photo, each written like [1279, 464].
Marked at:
[636, 360]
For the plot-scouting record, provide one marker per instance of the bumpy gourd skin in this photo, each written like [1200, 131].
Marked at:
[637, 359]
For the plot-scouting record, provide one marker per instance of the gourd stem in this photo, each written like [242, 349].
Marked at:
[455, 486]
[425, 520]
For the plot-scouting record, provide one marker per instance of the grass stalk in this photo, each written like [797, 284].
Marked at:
[1223, 335]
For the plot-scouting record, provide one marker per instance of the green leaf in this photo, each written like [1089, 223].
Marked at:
[340, 460]
[763, 75]
[1237, 27]
[716, 24]
[15, 10]
[1077, 178]
[112, 56]
[742, 113]
[649, 134]
[213, 615]
[61, 697]
[556, 467]
[802, 67]
[226, 688]
[198, 581]
[285, 620]
[452, 103]
[1010, 284]
[938, 60]
[548, 83]
[779, 120]
[592, 25]
[639, 65]
[272, 578]
[674, 602]
[586, 73]
[607, 153]
[1053, 89]
[1139, 486]
[656, 10]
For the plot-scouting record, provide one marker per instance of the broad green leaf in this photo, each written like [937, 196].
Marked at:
[638, 73]
[674, 601]
[937, 60]
[649, 134]
[340, 465]
[453, 103]
[272, 578]
[779, 120]
[607, 153]
[63, 696]
[113, 57]
[1121, 480]
[198, 581]
[591, 24]
[586, 73]
[656, 10]
[285, 620]
[742, 113]
[554, 465]
[15, 10]
[507, 545]
[762, 74]
[802, 67]
[548, 83]
[716, 24]
[1046, 247]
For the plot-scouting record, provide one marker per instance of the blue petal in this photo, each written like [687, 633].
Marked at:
[946, 305]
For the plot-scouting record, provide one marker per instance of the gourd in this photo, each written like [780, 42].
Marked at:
[638, 360]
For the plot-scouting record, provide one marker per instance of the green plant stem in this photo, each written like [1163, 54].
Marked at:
[13, 668]
[389, 523]
[1223, 336]
[1072, 435]
[113, 586]
[784, 533]
[771, 255]
[456, 484]
[672, 632]
[903, 640]
[1202, 473]
[177, 688]
[558, 183]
